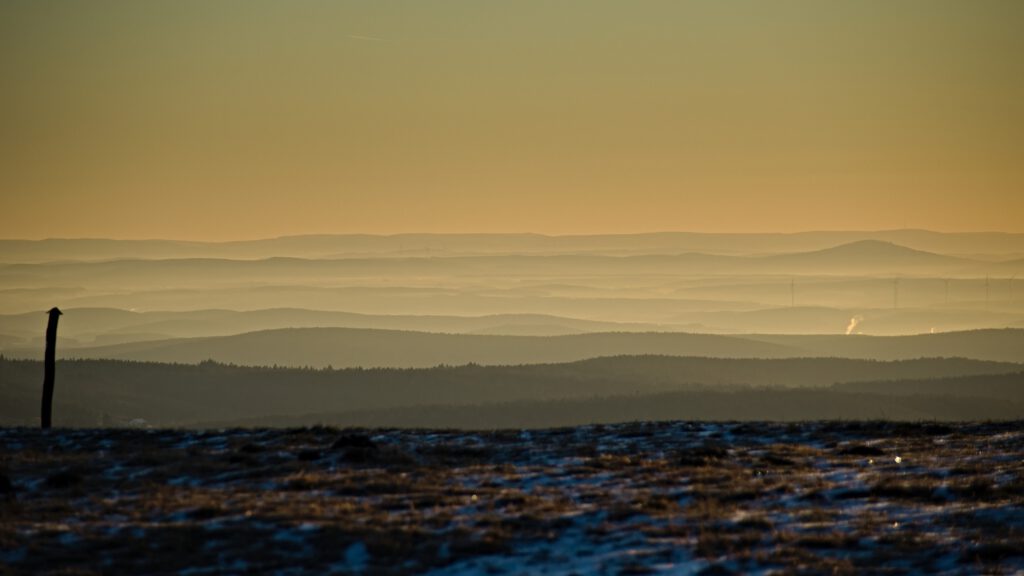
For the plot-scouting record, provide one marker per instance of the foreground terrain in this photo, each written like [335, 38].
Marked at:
[676, 497]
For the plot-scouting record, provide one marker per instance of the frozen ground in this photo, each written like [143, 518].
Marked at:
[677, 498]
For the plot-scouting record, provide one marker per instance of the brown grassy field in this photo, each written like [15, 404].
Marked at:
[680, 498]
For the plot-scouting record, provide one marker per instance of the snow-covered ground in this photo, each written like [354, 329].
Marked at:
[676, 498]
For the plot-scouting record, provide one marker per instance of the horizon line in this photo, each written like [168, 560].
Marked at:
[519, 233]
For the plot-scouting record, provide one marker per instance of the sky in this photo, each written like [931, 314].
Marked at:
[231, 120]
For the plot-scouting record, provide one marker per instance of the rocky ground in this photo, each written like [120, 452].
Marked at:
[679, 498]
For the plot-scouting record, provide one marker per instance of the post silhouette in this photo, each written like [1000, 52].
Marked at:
[48, 367]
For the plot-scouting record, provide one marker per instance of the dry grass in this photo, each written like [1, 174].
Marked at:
[638, 498]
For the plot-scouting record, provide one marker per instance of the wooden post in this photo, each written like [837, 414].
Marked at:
[48, 367]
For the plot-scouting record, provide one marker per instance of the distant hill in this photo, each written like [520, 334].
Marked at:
[484, 284]
[858, 257]
[343, 347]
[867, 255]
[833, 321]
[330, 246]
[91, 327]
[700, 283]
[1013, 268]
[998, 345]
[80, 326]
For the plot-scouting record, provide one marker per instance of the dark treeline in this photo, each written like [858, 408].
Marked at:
[115, 392]
[753, 405]
[1008, 386]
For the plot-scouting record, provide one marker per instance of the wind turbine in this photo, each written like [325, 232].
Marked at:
[895, 293]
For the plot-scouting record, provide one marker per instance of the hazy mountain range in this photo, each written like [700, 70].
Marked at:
[868, 256]
[814, 310]
[349, 347]
[525, 285]
[593, 283]
[100, 326]
[330, 246]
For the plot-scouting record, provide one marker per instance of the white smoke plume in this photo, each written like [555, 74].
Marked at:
[853, 324]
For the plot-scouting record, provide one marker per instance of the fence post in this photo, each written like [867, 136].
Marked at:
[48, 366]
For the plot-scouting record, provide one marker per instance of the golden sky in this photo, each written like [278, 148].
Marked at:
[223, 120]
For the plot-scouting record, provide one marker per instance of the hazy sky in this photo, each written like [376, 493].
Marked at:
[219, 120]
